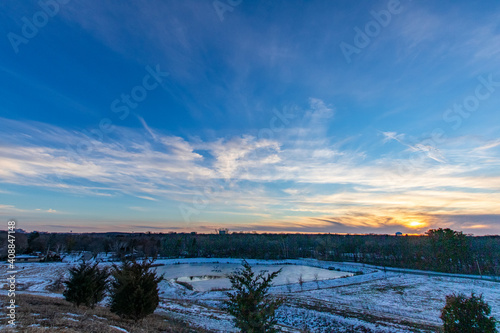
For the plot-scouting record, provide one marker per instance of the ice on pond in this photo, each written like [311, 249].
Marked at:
[205, 277]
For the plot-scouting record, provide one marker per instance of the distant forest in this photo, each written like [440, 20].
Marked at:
[442, 250]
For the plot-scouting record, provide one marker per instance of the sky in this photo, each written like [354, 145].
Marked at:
[268, 116]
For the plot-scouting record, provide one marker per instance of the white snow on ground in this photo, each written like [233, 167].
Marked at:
[36, 277]
[317, 321]
[100, 318]
[118, 328]
[375, 301]
[198, 315]
[411, 296]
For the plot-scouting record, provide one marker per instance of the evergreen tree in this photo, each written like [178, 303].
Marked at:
[134, 290]
[87, 284]
[251, 305]
[462, 314]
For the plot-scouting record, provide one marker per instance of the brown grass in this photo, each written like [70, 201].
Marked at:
[37, 314]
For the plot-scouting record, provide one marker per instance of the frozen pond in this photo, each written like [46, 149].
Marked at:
[205, 277]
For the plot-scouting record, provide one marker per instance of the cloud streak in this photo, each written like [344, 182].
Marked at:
[329, 187]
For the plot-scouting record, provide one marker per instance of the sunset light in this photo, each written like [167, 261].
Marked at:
[250, 166]
[195, 116]
[416, 224]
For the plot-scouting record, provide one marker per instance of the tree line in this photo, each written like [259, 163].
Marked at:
[442, 250]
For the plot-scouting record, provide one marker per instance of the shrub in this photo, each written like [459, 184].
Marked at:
[462, 314]
[251, 305]
[86, 285]
[134, 290]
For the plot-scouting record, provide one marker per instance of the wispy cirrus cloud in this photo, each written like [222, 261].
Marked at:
[429, 150]
[11, 209]
[488, 145]
[299, 177]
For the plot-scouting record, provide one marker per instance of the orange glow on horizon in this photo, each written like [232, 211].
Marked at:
[415, 224]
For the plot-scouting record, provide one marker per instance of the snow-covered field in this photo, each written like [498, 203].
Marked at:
[375, 301]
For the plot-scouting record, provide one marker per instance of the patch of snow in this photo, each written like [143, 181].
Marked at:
[118, 328]
[393, 296]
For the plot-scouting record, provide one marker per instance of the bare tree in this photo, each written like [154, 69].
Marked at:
[316, 279]
[301, 282]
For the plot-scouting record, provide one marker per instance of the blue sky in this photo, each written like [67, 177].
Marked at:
[269, 116]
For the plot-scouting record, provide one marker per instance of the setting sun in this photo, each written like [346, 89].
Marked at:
[416, 224]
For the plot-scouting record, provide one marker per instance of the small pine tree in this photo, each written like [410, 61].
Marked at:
[467, 314]
[134, 290]
[87, 284]
[252, 307]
